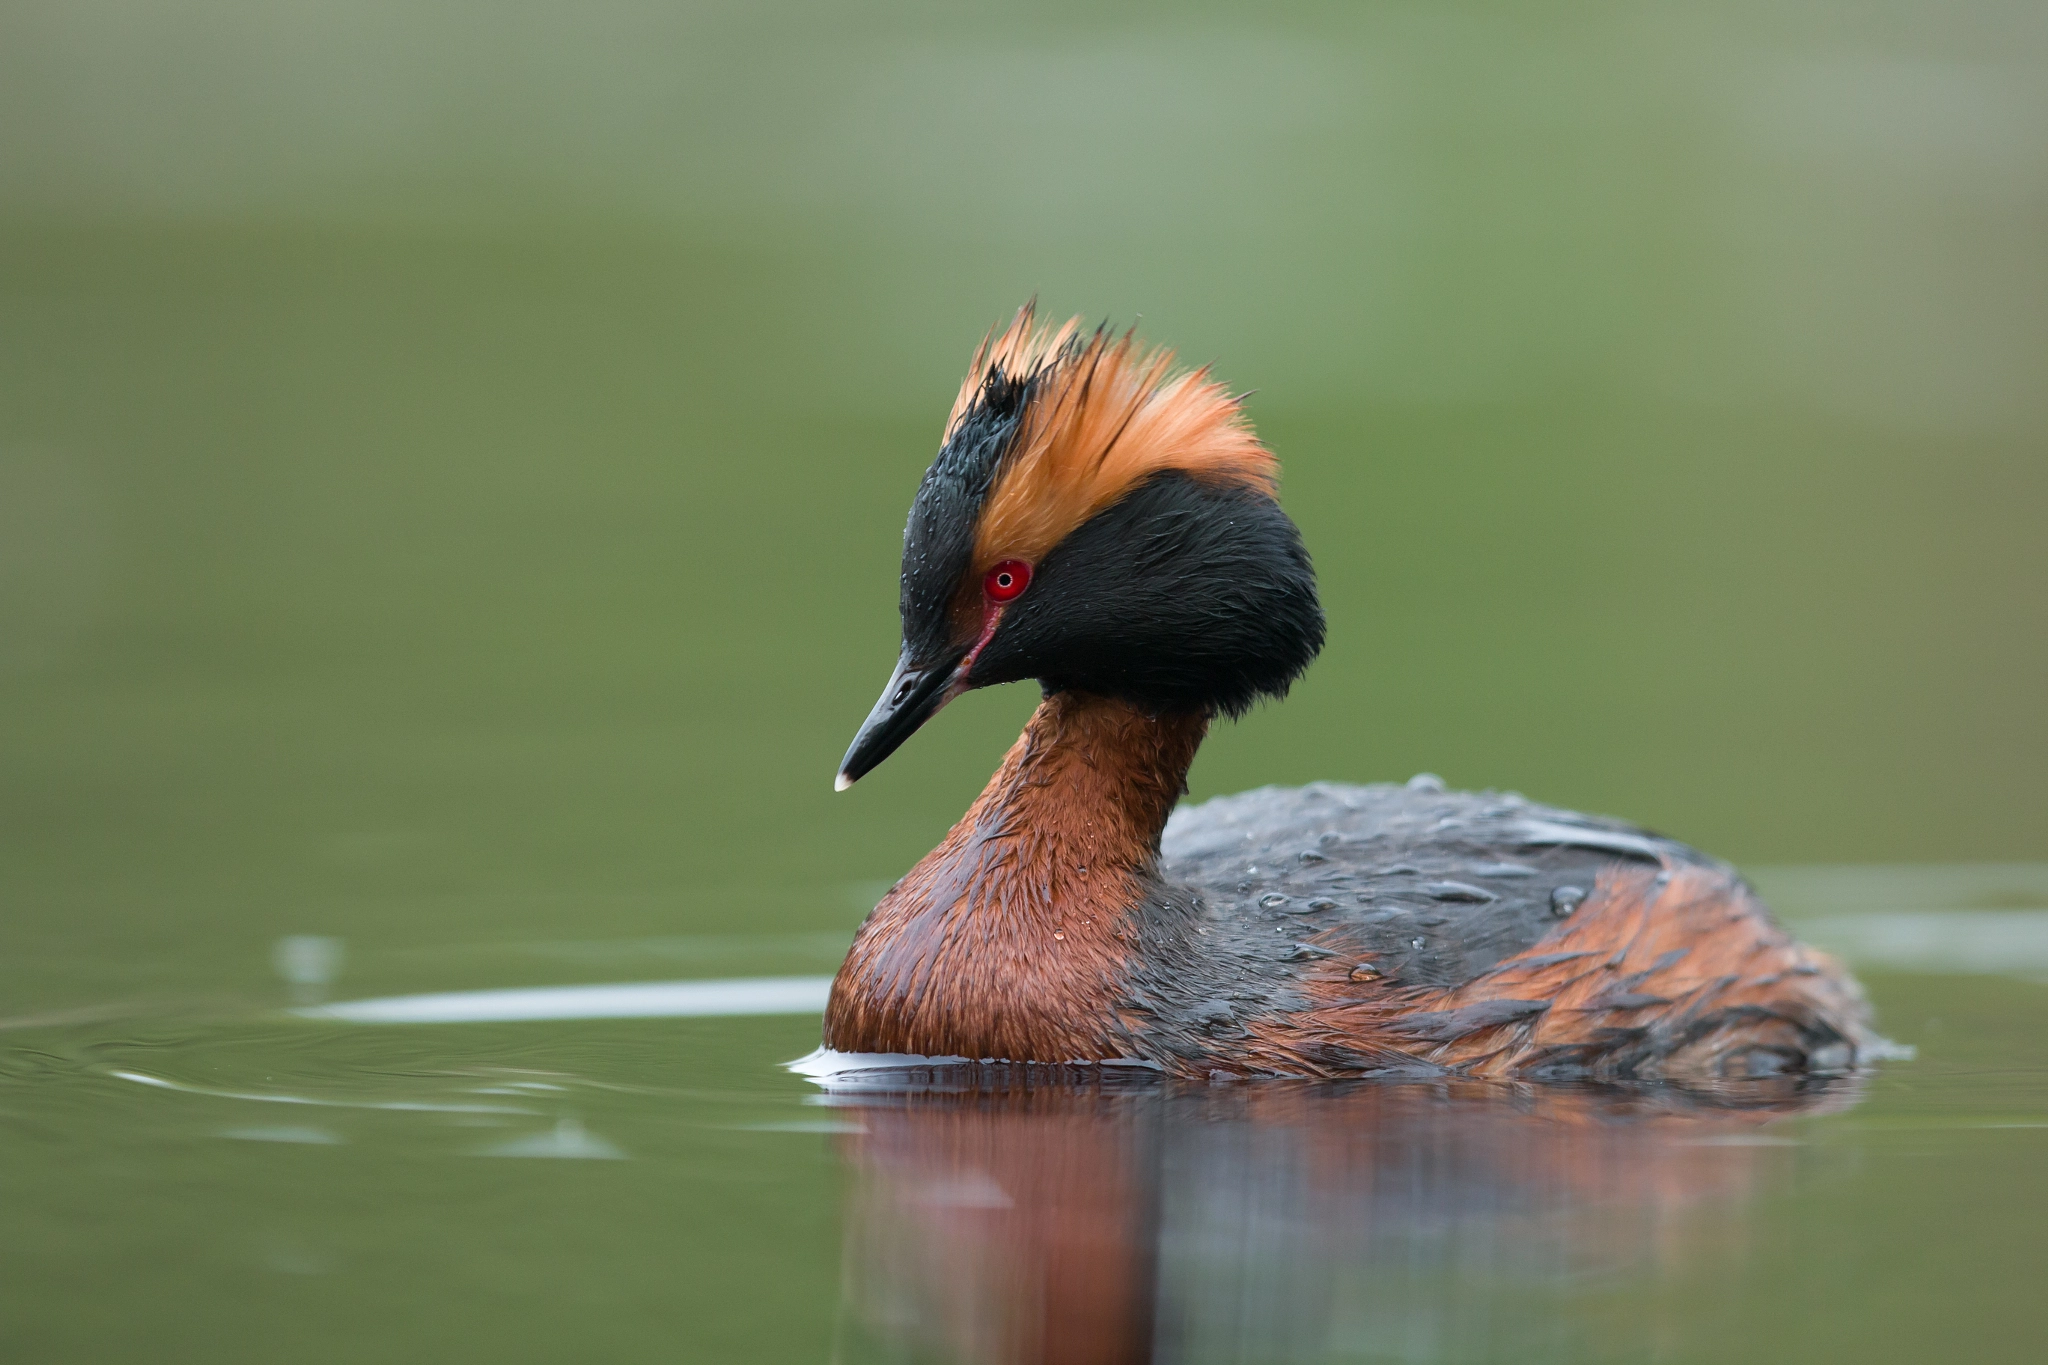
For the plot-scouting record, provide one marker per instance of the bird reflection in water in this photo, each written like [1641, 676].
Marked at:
[996, 1218]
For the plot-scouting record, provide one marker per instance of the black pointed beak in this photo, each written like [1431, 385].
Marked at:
[913, 696]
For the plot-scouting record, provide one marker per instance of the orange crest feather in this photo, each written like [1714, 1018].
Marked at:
[1105, 413]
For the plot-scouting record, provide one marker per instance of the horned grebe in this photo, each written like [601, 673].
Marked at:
[1108, 526]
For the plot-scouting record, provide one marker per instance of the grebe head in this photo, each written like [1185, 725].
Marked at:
[1101, 522]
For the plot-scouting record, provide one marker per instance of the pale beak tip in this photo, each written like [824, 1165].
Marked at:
[841, 782]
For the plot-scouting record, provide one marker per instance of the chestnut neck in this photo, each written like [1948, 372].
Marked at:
[1092, 778]
[1010, 939]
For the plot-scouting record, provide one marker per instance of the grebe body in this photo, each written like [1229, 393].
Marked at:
[1111, 529]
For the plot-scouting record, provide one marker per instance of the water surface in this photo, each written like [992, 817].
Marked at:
[247, 1175]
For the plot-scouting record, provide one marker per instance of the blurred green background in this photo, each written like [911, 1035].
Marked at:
[452, 465]
[452, 459]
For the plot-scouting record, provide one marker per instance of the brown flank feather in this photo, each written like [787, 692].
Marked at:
[1685, 947]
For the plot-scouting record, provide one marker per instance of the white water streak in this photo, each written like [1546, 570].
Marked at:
[623, 1000]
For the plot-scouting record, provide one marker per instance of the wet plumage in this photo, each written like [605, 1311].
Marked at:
[1110, 528]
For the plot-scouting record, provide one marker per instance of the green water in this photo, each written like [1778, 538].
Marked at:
[452, 464]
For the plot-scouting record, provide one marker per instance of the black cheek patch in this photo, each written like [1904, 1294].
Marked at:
[1182, 596]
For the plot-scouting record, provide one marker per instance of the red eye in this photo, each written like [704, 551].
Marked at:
[1007, 580]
